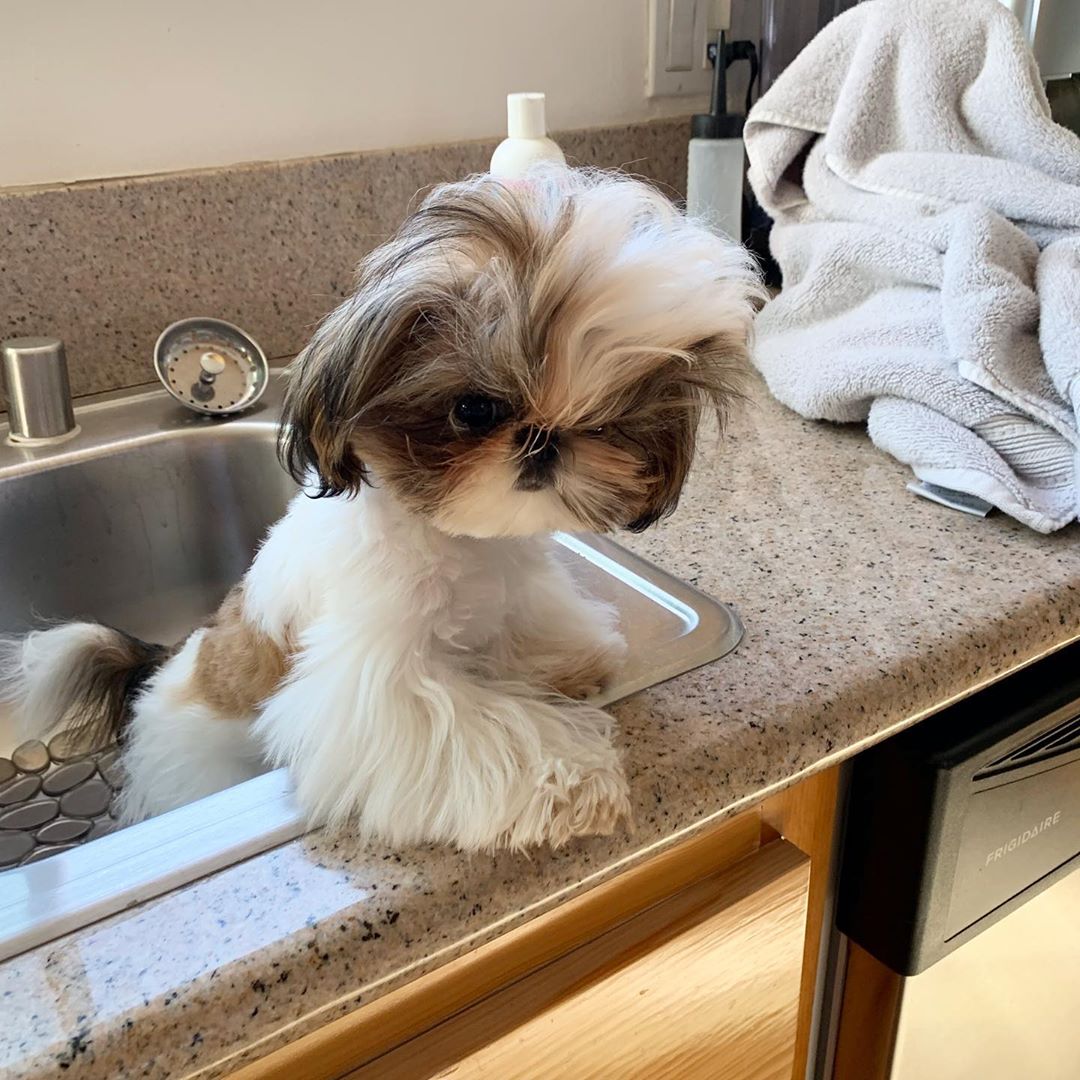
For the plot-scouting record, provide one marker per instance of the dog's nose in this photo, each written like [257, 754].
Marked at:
[540, 446]
[539, 454]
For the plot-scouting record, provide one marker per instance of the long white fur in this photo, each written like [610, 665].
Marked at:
[35, 671]
[179, 749]
[408, 711]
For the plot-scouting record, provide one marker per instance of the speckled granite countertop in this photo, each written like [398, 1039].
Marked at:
[866, 608]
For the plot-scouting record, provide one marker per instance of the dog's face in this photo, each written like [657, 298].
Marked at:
[525, 356]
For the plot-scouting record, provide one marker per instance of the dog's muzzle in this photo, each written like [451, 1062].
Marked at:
[539, 458]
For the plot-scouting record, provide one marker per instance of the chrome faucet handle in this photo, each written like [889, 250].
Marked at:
[38, 392]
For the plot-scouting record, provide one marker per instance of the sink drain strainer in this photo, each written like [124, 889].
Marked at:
[211, 366]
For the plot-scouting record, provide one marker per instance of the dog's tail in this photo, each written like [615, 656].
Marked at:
[79, 677]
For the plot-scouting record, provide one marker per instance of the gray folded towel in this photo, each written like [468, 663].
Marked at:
[927, 223]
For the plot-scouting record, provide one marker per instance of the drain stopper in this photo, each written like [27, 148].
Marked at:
[210, 366]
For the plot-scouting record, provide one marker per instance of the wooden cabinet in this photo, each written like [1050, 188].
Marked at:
[710, 992]
[695, 963]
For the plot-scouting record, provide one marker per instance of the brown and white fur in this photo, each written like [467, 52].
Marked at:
[522, 357]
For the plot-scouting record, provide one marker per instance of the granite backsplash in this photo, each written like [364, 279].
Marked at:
[106, 265]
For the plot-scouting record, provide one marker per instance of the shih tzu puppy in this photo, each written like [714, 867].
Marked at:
[522, 357]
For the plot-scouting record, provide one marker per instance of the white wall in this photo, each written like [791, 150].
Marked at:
[118, 87]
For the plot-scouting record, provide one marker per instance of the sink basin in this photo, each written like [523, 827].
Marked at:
[143, 521]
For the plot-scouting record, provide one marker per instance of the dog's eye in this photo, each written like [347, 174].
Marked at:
[596, 432]
[480, 413]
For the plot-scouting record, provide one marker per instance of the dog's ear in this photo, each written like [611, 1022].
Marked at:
[709, 377]
[341, 386]
[315, 439]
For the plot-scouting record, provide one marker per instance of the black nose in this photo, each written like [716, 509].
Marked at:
[539, 454]
[539, 445]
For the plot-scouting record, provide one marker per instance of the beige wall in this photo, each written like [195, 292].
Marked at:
[121, 87]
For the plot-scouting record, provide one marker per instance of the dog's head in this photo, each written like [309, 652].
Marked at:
[526, 356]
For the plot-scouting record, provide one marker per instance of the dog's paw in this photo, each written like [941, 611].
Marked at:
[594, 807]
[590, 803]
[592, 671]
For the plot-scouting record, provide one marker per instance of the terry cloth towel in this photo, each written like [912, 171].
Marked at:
[927, 222]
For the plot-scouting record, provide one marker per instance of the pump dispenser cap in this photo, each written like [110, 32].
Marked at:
[718, 123]
[525, 116]
[724, 126]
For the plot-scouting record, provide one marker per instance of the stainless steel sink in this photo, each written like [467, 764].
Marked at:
[143, 521]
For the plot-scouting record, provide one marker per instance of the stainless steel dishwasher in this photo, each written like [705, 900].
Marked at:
[961, 872]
